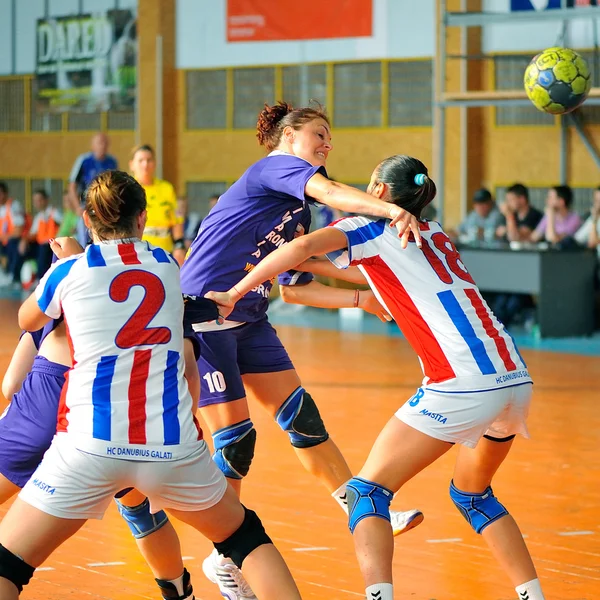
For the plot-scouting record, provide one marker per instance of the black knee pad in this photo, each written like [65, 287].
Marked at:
[234, 449]
[300, 418]
[249, 536]
[14, 568]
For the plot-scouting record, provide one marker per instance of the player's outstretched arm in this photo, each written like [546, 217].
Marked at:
[324, 267]
[283, 259]
[348, 199]
[323, 296]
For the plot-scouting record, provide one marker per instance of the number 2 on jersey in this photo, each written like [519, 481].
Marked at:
[136, 332]
[444, 244]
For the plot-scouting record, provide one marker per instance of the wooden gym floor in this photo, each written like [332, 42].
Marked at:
[551, 484]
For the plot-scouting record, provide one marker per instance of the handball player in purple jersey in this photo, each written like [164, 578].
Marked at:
[267, 207]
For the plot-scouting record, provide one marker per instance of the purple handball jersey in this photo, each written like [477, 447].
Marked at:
[263, 210]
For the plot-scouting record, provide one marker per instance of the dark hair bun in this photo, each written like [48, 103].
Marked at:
[268, 120]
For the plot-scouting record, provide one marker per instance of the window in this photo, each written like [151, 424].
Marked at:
[120, 120]
[206, 95]
[410, 93]
[12, 99]
[509, 72]
[303, 84]
[357, 95]
[84, 121]
[252, 88]
[199, 192]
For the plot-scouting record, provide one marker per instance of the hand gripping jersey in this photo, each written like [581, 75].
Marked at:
[264, 209]
[435, 302]
[126, 396]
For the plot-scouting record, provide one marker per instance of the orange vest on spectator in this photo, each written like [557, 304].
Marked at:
[46, 229]
[6, 222]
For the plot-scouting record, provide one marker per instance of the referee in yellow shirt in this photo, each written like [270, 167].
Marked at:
[164, 228]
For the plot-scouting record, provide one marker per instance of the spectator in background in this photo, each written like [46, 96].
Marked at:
[483, 221]
[559, 222]
[191, 220]
[323, 215]
[68, 225]
[589, 233]
[12, 222]
[164, 228]
[520, 218]
[85, 168]
[45, 228]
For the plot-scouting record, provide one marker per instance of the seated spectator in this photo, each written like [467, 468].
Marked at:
[520, 218]
[70, 216]
[12, 221]
[45, 227]
[481, 223]
[559, 222]
[589, 233]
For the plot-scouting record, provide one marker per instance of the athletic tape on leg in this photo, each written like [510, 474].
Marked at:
[367, 499]
[480, 510]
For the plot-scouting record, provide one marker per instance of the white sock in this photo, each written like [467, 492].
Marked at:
[380, 591]
[532, 590]
[340, 497]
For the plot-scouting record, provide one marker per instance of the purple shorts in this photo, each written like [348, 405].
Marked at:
[29, 423]
[227, 355]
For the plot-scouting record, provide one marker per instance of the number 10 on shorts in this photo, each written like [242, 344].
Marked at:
[215, 382]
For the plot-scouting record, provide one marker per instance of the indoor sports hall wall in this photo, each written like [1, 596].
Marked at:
[377, 89]
[38, 149]
[378, 93]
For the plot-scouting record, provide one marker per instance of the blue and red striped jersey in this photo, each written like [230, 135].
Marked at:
[435, 302]
[126, 395]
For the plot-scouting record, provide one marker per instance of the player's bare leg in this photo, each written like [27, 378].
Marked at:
[473, 474]
[7, 489]
[220, 416]
[263, 567]
[31, 536]
[399, 453]
[323, 460]
[161, 549]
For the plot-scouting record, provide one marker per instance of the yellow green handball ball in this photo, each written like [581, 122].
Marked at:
[557, 81]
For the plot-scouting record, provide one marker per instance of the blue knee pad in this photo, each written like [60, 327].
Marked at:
[234, 449]
[140, 520]
[480, 510]
[367, 499]
[299, 417]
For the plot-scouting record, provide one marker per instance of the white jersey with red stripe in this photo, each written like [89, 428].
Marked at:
[435, 302]
[126, 395]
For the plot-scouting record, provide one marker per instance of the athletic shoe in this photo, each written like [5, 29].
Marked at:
[227, 576]
[405, 521]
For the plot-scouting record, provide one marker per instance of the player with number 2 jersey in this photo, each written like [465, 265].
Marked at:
[126, 416]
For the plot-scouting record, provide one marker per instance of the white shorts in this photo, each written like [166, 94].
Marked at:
[464, 417]
[72, 484]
